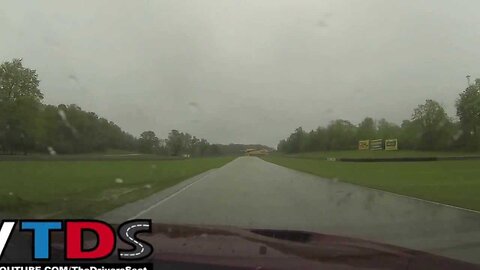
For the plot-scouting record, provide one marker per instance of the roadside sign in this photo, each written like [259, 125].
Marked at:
[376, 144]
[391, 145]
[364, 145]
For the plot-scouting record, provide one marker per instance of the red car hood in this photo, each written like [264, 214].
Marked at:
[274, 249]
[206, 247]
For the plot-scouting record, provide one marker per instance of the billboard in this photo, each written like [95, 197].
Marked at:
[364, 145]
[391, 144]
[376, 144]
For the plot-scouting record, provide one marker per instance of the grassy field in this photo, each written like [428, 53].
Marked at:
[87, 188]
[450, 182]
[86, 157]
[377, 154]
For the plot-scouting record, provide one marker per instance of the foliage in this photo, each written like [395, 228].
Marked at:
[468, 111]
[19, 104]
[434, 125]
[18, 82]
[148, 142]
[341, 135]
[367, 129]
[69, 129]
[178, 142]
[28, 125]
[430, 128]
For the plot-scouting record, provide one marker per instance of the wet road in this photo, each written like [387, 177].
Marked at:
[252, 193]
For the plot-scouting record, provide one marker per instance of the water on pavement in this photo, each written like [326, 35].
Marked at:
[252, 193]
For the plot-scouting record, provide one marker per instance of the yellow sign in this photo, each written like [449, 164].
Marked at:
[364, 145]
[391, 145]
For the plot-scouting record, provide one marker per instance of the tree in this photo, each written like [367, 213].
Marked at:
[69, 130]
[175, 142]
[26, 124]
[468, 111]
[341, 135]
[387, 130]
[214, 150]
[366, 129]
[19, 104]
[187, 143]
[316, 140]
[434, 125]
[202, 147]
[282, 146]
[17, 82]
[148, 142]
[295, 142]
[410, 135]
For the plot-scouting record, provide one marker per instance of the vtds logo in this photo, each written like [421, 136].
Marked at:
[74, 230]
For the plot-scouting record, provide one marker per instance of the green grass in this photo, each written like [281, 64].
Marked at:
[85, 157]
[377, 154]
[88, 188]
[451, 182]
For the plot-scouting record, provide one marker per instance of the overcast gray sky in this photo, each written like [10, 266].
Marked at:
[245, 71]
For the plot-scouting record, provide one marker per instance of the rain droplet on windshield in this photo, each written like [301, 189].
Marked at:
[62, 115]
[457, 135]
[51, 151]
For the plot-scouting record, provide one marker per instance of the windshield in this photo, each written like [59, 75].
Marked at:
[357, 119]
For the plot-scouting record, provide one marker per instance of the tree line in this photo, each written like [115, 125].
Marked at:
[429, 128]
[27, 125]
[179, 143]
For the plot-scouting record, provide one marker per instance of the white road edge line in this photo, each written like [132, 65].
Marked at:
[169, 197]
[427, 201]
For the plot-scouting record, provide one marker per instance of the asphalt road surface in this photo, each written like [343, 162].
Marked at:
[252, 193]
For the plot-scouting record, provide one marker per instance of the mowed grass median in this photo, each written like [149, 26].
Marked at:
[450, 182]
[379, 154]
[81, 189]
